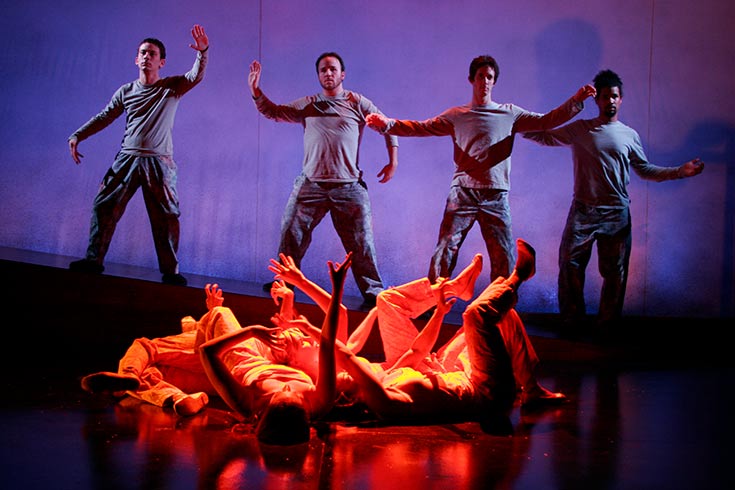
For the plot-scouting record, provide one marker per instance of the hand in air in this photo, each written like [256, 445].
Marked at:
[200, 38]
[585, 92]
[254, 77]
[214, 296]
[280, 291]
[285, 269]
[338, 271]
[444, 305]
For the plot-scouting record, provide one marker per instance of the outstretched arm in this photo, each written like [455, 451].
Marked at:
[326, 385]
[532, 121]
[286, 270]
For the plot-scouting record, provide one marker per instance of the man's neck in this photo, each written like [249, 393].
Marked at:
[148, 78]
[479, 101]
[334, 92]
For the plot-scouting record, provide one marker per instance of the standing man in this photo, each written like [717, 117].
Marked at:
[604, 150]
[331, 177]
[482, 135]
[145, 158]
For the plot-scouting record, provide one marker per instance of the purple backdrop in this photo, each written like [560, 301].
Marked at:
[63, 60]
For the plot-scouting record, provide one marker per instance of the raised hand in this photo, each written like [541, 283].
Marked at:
[585, 92]
[286, 270]
[444, 305]
[338, 271]
[254, 78]
[280, 291]
[201, 41]
[214, 296]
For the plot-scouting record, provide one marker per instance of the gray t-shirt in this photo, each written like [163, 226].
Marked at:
[603, 153]
[150, 111]
[333, 128]
[482, 137]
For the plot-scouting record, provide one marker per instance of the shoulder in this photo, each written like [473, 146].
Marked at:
[625, 127]
[127, 87]
[357, 98]
[456, 110]
[622, 128]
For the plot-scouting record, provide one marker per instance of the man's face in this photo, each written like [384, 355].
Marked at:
[330, 74]
[482, 85]
[608, 101]
[149, 58]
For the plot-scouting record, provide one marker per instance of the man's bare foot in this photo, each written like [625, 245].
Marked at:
[525, 263]
[110, 382]
[463, 285]
[191, 404]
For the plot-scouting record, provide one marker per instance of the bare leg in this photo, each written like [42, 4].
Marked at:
[398, 306]
[463, 286]
[525, 264]
[523, 355]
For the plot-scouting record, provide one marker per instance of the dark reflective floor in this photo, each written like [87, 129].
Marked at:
[650, 408]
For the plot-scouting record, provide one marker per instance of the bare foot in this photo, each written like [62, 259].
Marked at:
[525, 264]
[463, 285]
[191, 404]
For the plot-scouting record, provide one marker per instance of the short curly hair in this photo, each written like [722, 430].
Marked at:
[607, 79]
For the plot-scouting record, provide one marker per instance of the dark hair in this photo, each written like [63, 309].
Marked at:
[157, 43]
[607, 79]
[283, 422]
[481, 61]
[330, 54]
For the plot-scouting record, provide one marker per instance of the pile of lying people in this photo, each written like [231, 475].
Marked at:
[285, 377]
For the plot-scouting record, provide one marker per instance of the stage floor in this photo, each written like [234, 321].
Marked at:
[648, 409]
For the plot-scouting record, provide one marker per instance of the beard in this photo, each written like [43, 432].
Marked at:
[329, 85]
